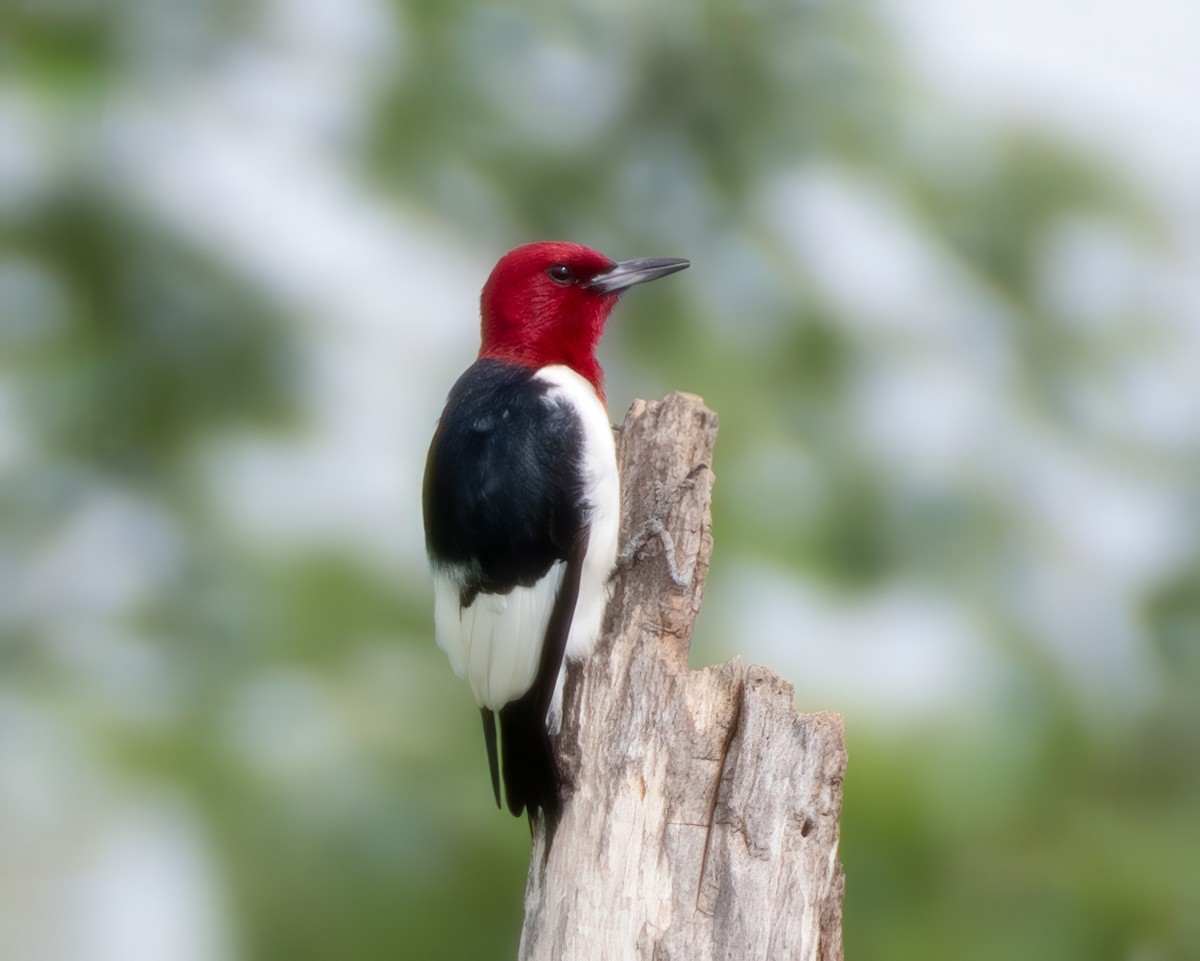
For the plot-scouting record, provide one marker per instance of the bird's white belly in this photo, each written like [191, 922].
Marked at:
[602, 490]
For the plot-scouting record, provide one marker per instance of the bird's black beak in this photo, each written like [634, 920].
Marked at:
[630, 272]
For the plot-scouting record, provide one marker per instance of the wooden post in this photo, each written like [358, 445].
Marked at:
[701, 820]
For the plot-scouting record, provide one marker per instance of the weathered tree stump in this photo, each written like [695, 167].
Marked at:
[702, 816]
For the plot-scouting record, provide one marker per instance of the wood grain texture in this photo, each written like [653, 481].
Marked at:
[702, 813]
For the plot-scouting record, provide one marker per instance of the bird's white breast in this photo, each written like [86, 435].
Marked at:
[602, 491]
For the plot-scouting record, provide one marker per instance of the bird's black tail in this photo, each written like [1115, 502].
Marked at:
[489, 737]
[531, 778]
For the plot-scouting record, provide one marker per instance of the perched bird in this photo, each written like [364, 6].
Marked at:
[521, 501]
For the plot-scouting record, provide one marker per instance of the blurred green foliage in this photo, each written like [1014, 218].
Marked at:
[1049, 829]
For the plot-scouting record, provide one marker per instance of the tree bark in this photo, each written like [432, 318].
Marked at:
[701, 819]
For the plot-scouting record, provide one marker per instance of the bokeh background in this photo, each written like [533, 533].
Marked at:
[945, 299]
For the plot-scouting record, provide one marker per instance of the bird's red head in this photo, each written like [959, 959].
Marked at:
[547, 303]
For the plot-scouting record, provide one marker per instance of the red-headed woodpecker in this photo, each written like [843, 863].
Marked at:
[521, 501]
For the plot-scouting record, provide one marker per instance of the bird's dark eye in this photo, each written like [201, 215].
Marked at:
[561, 274]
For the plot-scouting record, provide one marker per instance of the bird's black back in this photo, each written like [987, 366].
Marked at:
[501, 490]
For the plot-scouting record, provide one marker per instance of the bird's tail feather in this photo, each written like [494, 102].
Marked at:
[531, 776]
[489, 736]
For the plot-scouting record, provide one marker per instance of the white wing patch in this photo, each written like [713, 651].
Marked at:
[496, 642]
